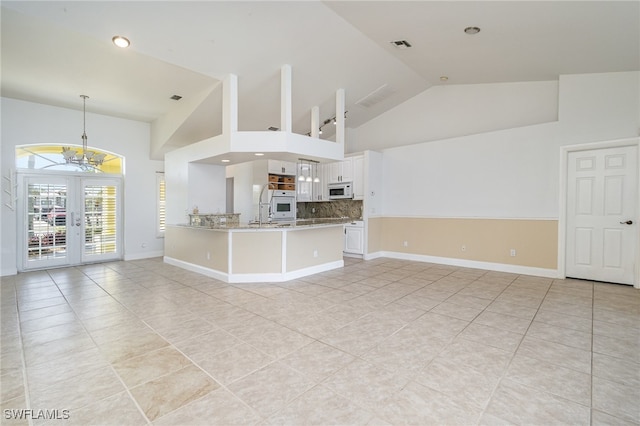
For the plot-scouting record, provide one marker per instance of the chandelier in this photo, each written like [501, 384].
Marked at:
[84, 158]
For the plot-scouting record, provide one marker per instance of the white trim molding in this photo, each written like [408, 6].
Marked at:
[254, 278]
[464, 263]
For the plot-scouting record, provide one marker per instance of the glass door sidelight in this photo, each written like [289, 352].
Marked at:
[44, 223]
[69, 220]
[100, 224]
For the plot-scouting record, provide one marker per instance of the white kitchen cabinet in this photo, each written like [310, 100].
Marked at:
[304, 189]
[358, 177]
[349, 170]
[312, 191]
[282, 167]
[354, 237]
[320, 191]
[341, 171]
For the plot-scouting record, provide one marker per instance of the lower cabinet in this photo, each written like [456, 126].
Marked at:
[354, 237]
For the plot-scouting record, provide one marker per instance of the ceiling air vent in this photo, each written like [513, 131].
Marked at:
[378, 95]
[401, 44]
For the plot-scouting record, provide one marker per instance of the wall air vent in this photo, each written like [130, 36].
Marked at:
[273, 129]
[401, 44]
[378, 95]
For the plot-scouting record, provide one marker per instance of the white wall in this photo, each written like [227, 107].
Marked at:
[448, 111]
[31, 123]
[511, 173]
[190, 184]
[205, 190]
[243, 177]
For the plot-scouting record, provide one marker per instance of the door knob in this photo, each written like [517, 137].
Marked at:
[628, 222]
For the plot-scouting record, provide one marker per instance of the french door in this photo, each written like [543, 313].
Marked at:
[602, 190]
[69, 220]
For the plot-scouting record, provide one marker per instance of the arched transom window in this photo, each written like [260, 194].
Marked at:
[68, 158]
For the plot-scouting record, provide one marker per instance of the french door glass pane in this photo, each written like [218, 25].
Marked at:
[100, 211]
[46, 221]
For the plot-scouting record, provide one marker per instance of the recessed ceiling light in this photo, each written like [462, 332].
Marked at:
[225, 161]
[258, 154]
[121, 41]
[472, 30]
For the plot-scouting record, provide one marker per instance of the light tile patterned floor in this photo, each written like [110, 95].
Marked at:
[376, 342]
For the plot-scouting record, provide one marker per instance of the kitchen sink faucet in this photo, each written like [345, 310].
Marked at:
[261, 204]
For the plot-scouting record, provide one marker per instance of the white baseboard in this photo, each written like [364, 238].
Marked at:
[254, 278]
[8, 272]
[144, 255]
[292, 275]
[499, 267]
[354, 255]
[213, 273]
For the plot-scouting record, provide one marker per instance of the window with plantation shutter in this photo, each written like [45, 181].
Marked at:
[100, 216]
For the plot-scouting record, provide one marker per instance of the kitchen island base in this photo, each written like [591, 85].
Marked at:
[241, 255]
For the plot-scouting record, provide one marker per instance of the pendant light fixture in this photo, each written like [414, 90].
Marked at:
[85, 159]
[312, 170]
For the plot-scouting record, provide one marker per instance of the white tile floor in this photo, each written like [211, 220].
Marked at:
[376, 342]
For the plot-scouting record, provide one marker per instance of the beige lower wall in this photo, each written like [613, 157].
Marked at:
[256, 252]
[302, 243]
[192, 245]
[486, 240]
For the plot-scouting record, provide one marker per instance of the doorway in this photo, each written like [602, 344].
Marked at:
[601, 205]
[68, 219]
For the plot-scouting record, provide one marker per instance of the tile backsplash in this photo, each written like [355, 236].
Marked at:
[324, 209]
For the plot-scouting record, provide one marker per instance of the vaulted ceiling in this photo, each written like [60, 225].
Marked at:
[54, 51]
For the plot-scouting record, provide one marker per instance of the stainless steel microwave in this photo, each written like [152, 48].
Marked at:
[340, 191]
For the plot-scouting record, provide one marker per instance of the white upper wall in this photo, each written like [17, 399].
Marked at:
[512, 173]
[448, 111]
[30, 123]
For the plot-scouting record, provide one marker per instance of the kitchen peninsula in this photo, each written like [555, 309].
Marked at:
[197, 175]
[247, 253]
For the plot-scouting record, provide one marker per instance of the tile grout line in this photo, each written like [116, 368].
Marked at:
[126, 388]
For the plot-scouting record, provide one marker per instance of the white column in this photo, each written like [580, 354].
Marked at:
[340, 107]
[285, 99]
[230, 104]
[315, 122]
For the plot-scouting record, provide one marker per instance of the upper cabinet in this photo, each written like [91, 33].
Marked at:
[282, 167]
[349, 170]
[340, 171]
[358, 177]
[311, 181]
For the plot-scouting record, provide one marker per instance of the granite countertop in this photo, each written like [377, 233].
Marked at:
[300, 223]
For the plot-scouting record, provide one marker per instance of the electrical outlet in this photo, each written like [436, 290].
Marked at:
[463, 248]
[405, 243]
[512, 252]
[208, 255]
[315, 253]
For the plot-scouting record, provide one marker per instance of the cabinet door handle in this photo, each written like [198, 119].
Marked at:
[628, 222]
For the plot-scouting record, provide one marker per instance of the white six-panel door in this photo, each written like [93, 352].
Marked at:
[601, 214]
